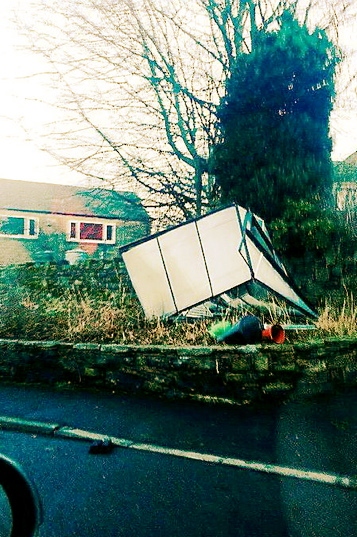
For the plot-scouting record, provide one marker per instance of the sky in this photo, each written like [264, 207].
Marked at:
[21, 156]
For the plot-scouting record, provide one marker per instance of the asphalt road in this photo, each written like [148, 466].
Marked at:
[131, 492]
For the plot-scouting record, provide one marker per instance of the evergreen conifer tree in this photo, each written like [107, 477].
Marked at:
[274, 122]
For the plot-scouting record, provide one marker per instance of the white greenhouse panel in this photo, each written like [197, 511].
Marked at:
[149, 279]
[265, 273]
[221, 237]
[191, 263]
[183, 258]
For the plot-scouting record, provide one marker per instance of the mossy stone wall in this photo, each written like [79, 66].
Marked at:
[221, 374]
[91, 276]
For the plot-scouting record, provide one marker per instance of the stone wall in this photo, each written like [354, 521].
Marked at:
[220, 374]
[332, 275]
[90, 276]
[315, 279]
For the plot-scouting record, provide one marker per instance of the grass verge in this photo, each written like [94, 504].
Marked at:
[117, 317]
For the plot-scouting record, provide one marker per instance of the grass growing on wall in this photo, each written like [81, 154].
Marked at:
[116, 317]
[339, 321]
[92, 319]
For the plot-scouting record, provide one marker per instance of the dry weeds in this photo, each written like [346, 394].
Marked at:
[118, 318]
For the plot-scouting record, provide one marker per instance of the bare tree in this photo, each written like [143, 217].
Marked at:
[138, 82]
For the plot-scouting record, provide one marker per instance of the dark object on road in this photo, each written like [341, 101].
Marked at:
[101, 447]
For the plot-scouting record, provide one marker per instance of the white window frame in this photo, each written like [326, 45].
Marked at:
[77, 238]
[27, 226]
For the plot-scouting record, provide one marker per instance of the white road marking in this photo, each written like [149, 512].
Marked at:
[56, 430]
[277, 469]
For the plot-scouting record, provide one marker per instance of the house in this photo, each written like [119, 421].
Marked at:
[346, 195]
[49, 222]
[345, 184]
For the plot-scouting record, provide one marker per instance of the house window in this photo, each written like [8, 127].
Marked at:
[72, 233]
[32, 227]
[92, 232]
[18, 227]
[109, 233]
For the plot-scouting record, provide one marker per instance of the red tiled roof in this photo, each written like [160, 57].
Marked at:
[70, 200]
